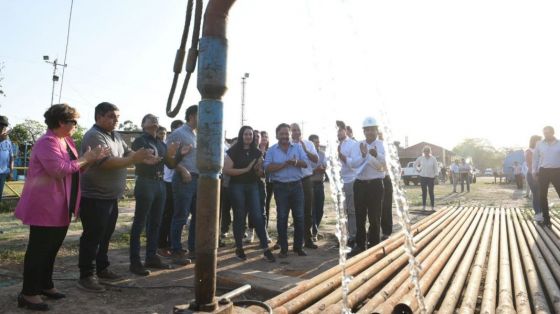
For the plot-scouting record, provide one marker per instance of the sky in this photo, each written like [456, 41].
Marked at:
[435, 71]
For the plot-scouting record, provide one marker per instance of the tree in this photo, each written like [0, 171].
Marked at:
[128, 126]
[2, 93]
[482, 153]
[28, 131]
[78, 136]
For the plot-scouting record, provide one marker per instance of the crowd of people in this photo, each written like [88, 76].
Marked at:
[65, 182]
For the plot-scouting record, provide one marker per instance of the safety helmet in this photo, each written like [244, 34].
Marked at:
[369, 121]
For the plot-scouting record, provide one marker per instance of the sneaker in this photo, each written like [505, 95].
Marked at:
[355, 251]
[107, 274]
[268, 256]
[179, 258]
[539, 218]
[224, 235]
[250, 236]
[138, 269]
[300, 252]
[155, 262]
[164, 252]
[283, 254]
[90, 284]
[315, 238]
[311, 245]
[240, 254]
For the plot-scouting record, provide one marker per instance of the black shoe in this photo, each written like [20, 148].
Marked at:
[240, 254]
[355, 251]
[300, 252]
[156, 263]
[107, 274]
[283, 254]
[268, 256]
[138, 269]
[22, 302]
[311, 245]
[54, 296]
[90, 284]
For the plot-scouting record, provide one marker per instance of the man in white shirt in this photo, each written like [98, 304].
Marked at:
[311, 157]
[428, 168]
[368, 158]
[454, 169]
[348, 175]
[546, 168]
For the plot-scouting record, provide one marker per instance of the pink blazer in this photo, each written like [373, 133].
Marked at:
[46, 194]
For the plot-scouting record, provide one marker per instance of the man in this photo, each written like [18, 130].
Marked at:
[348, 175]
[387, 211]
[310, 157]
[368, 158]
[428, 168]
[518, 174]
[317, 179]
[6, 154]
[546, 169]
[185, 183]
[454, 176]
[150, 194]
[102, 185]
[465, 171]
[283, 162]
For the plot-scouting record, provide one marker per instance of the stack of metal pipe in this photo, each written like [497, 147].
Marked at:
[473, 260]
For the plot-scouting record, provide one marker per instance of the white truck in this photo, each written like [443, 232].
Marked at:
[411, 175]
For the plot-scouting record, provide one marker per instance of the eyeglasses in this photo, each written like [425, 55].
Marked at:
[73, 122]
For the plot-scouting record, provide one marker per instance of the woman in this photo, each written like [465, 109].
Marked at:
[50, 197]
[427, 166]
[533, 185]
[243, 163]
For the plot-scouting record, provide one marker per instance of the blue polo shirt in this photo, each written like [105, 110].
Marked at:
[6, 154]
[275, 155]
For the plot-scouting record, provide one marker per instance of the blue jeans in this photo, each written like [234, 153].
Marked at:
[3, 178]
[150, 198]
[184, 196]
[289, 196]
[245, 199]
[534, 186]
[318, 205]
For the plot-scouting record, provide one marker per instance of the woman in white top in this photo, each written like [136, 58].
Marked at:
[428, 168]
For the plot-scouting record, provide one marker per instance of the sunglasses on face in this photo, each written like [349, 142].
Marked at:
[72, 122]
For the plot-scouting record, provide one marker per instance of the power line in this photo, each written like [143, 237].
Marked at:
[66, 50]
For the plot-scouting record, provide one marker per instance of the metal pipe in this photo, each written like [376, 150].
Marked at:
[363, 284]
[436, 262]
[522, 304]
[470, 297]
[448, 260]
[212, 86]
[545, 272]
[505, 292]
[454, 292]
[363, 259]
[537, 294]
[488, 305]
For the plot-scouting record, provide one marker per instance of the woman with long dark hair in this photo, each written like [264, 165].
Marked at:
[243, 163]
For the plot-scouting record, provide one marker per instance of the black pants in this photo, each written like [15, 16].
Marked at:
[519, 181]
[387, 212]
[547, 176]
[307, 209]
[269, 192]
[99, 218]
[368, 201]
[225, 210]
[427, 185]
[43, 245]
[164, 242]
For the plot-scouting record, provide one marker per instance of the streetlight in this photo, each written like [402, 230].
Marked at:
[243, 82]
[54, 77]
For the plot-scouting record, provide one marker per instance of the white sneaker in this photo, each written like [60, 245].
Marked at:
[250, 236]
[539, 218]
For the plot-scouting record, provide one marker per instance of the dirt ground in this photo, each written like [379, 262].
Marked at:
[160, 291]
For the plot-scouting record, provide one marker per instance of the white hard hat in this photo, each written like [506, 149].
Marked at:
[369, 121]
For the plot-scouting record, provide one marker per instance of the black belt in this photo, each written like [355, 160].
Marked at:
[287, 183]
[368, 181]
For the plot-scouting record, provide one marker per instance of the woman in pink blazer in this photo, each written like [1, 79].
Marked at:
[50, 197]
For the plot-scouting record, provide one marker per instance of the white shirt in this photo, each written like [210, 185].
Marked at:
[346, 172]
[454, 168]
[428, 166]
[310, 148]
[168, 174]
[369, 167]
[546, 155]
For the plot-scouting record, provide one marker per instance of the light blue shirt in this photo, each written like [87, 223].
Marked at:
[275, 155]
[185, 135]
[546, 155]
[6, 155]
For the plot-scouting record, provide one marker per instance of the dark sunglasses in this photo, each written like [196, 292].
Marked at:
[73, 122]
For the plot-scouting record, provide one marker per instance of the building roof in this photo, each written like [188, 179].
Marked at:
[414, 151]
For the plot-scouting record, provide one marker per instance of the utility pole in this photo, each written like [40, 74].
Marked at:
[243, 83]
[54, 77]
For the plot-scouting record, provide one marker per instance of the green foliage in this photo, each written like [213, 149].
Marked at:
[128, 125]
[78, 136]
[28, 131]
[482, 153]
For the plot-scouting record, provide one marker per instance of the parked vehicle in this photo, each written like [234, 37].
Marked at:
[488, 172]
[411, 175]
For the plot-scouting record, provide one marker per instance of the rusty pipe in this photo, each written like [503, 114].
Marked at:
[362, 285]
[454, 292]
[521, 294]
[444, 265]
[363, 259]
[429, 269]
[537, 294]
[505, 292]
[470, 297]
[488, 305]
